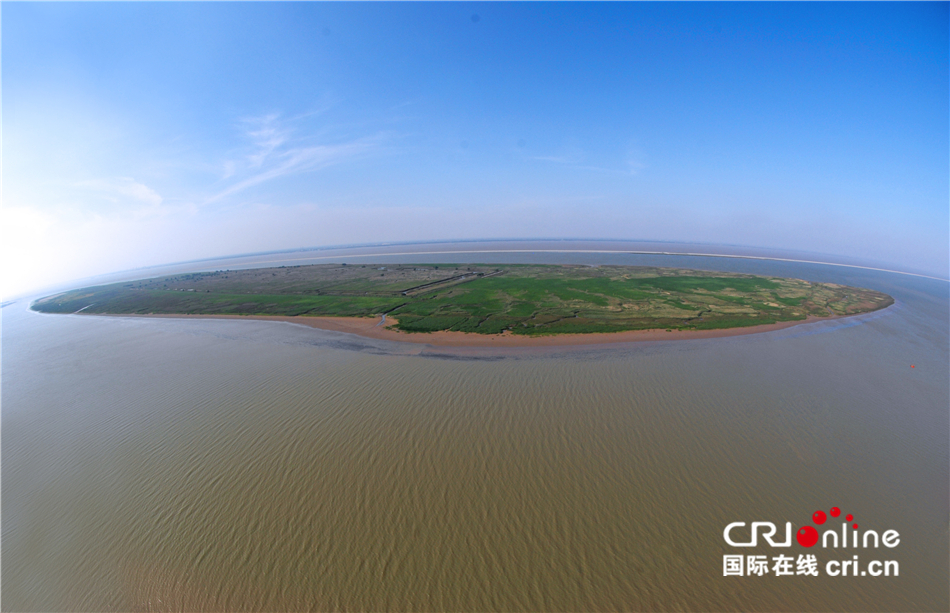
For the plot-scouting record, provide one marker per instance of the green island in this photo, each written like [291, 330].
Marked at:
[483, 299]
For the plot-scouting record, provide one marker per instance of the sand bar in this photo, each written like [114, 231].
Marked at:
[369, 327]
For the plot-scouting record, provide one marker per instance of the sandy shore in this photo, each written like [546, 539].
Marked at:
[369, 327]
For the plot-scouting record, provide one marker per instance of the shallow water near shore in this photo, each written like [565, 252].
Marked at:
[165, 464]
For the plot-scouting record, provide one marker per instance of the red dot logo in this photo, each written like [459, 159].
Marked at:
[835, 511]
[849, 517]
[819, 517]
[856, 527]
[807, 536]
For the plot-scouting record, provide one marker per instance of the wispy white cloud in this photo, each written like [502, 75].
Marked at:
[634, 161]
[122, 189]
[557, 159]
[267, 135]
[277, 151]
[572, 156]
[631, 165]
[228, 169]
[635, 166]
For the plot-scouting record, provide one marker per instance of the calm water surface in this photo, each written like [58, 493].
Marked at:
[239, 465]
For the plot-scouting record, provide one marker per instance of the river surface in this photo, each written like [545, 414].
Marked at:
[161, 464]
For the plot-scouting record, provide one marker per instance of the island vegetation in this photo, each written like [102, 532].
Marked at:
[483, 299]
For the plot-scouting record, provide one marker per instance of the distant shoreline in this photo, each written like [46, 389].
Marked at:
[369, 327]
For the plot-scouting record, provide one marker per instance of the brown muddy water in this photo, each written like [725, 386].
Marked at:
[155, 464]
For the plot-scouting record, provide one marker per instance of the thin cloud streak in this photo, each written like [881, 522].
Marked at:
[274, 157]
[576, 159]
[300, 160]
[122, 188]
[267, 138]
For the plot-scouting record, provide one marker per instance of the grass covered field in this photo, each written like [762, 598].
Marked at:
[484, 299]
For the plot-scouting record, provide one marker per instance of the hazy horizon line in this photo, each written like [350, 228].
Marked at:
[58, 286]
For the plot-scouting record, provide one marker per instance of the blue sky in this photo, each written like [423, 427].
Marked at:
[137, 134]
